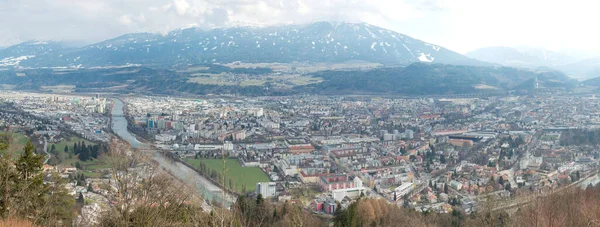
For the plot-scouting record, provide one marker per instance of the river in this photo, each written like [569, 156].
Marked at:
[204, 187]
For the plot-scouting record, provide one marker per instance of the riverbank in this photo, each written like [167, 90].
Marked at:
[183, 173]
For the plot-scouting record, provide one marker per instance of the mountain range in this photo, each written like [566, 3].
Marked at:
[323, 42]
[196, 61]
[573, 65]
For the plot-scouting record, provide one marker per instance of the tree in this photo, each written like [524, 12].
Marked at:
[66, 149]
[84, 154]
[53, 149]
[443, 159]
[367, 213]
[446, 188]
[58, 204]
[8, 180]
[30, 184]
[78, 165]
[259, 199]
[80, 199]
[501, 180]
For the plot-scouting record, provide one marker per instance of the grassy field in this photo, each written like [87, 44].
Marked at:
[238, 174]
[16, 145]
[70, 160]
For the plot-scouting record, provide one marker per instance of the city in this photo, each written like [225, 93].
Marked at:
[337, 113]
[428, 154]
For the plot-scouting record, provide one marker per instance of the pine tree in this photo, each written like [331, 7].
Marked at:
[84, 155]
[259, 199]
[66, 149]
[93, 151]
[30, 184]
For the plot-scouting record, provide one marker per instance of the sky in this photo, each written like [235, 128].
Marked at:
[459, 25]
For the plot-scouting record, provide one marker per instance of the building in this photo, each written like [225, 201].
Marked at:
[266, 189]
[353, 193]
[164, 137]
[404, 189]
[334, 182]
[456, 185]
[409, 134]
[238, 135]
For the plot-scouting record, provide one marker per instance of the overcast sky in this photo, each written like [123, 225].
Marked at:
[460, 25]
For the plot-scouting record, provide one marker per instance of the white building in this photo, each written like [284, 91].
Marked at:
[570, 167]
[266, 189]
[164, 137]
[404, 189]
[353, 193]
[286, 168]
[228, 146]
[409, 134]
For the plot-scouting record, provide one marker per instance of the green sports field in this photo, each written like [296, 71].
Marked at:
[238, 174]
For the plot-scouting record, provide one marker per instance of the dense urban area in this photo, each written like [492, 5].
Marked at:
[442, 155]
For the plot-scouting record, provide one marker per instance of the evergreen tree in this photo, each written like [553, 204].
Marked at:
[8, 180]
[84, 155]
[80, 199]
[259, 199]
[30, 184]
[66, 149]
[75, 149]
[93, 151]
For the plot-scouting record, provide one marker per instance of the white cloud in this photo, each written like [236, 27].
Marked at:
[302, 8]
[181, 6]
[461, 25]
[126, 20]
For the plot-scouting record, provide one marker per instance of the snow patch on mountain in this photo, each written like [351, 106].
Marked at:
[14, 61]
[426, 57]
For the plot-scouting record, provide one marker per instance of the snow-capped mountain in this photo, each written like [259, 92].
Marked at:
[14, 55]
[316, 42]
[521, 57]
